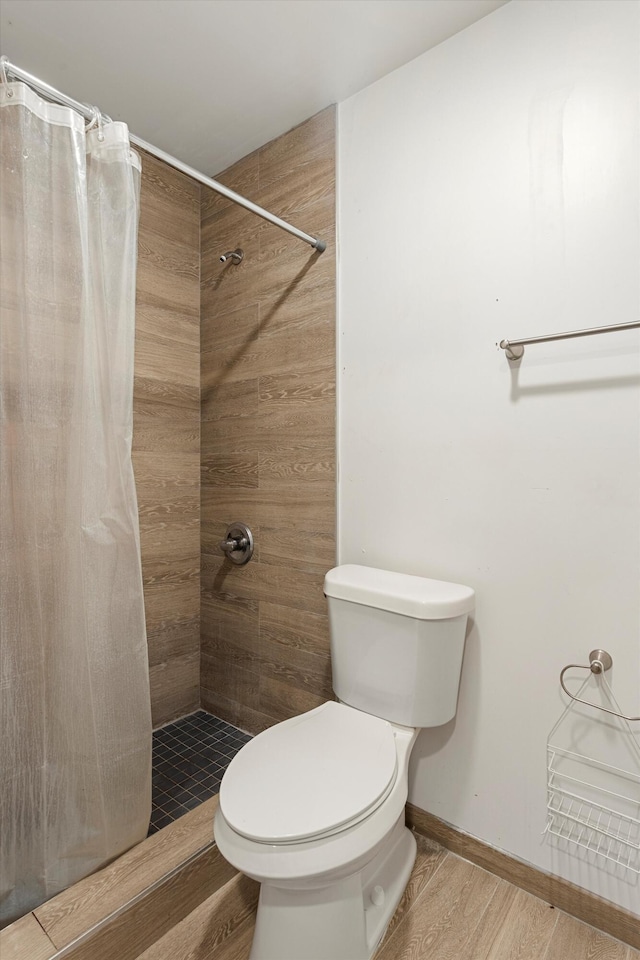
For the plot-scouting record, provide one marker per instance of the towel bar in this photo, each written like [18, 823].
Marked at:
[514, 349]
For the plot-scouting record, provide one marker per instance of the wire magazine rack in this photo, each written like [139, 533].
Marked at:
[592, 803]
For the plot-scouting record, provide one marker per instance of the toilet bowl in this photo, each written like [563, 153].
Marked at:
[319, 850]
[313, 807]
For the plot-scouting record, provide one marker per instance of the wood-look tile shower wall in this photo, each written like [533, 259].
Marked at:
[268, 431]
[166, 438]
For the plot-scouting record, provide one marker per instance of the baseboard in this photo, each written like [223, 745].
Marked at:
[574, 900]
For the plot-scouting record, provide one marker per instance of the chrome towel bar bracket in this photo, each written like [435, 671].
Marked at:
[599, 662]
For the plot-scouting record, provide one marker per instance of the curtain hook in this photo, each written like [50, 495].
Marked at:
[94, 118]
[96, 121]
[3, 69]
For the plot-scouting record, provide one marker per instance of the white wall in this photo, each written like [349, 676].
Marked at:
[489, 189]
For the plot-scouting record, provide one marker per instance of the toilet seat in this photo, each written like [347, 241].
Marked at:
[311, 776]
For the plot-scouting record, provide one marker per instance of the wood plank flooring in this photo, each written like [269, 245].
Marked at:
[550, 888]
[451, 910]
[89, 902]
[466, 913]
[25, 940]
[461, 911]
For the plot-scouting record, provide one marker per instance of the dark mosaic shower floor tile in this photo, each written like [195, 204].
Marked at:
[189, 759]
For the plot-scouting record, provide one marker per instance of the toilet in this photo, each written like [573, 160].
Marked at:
[313, 807]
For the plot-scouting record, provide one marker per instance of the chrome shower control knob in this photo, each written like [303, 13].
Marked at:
[238, 543]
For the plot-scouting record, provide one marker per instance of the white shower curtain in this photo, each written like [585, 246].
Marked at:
[75, 721]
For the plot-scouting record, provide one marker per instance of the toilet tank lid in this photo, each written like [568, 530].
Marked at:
[402, 593]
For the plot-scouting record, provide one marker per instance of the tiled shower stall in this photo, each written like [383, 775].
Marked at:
[234, 419]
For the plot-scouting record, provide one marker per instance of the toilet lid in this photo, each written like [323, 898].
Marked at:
[310, 775]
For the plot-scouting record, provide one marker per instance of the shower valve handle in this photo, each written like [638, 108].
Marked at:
[238, 543]
[228, 546]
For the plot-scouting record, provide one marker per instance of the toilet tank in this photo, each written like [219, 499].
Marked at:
[397, 643]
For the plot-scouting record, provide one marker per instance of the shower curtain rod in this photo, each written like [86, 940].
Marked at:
[90, 113]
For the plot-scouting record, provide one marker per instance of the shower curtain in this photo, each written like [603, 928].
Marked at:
[75, 720]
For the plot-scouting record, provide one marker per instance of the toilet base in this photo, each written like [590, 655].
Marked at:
[345, 920]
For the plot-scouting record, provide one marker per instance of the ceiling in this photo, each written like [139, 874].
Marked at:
[210, 80]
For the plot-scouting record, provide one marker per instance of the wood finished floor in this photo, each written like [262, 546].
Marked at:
[451, 910]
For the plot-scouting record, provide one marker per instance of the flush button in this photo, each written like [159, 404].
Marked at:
[377, 896]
